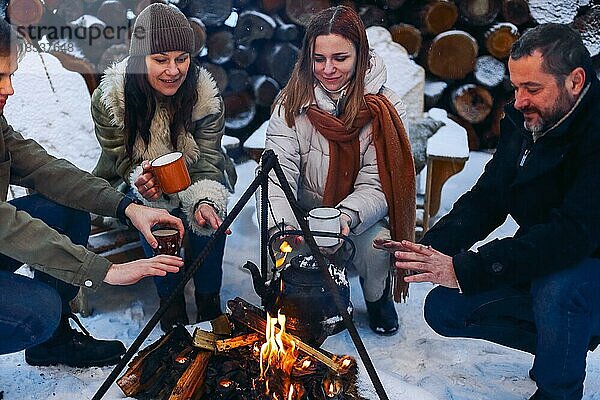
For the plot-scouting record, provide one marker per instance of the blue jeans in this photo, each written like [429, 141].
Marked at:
[208, 277]
[555, 318]
[30, 309]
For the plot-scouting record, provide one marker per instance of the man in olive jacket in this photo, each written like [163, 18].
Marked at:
[48, 231]
[538, 291]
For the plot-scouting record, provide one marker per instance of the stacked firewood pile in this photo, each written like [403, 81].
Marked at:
[250, 46]
[464, 46]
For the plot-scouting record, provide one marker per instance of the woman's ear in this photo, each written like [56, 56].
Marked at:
[575, 82]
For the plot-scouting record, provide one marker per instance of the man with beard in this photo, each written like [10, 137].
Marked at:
[538, 291]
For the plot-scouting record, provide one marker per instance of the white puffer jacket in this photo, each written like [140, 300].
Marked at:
[304, 156]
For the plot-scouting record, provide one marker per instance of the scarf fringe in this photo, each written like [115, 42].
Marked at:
[399, 287]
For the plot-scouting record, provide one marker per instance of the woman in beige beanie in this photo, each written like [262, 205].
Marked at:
[157, 101]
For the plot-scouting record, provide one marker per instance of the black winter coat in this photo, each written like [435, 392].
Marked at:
[554, 197]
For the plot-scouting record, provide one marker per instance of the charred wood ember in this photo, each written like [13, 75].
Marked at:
[154, 372]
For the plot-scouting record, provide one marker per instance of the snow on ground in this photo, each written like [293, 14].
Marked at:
[415, 364]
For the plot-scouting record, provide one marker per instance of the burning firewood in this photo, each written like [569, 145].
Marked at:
[155, 370]
[238, 341]
[206, 340]
[190, 385]
[239, 365]
[255, 319]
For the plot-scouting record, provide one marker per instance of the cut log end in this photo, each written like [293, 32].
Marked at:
[489, 71]
[473, 103]
[408, 37]
[500, 38]
[479, 12]
[300, 12]
[516, 11]
[438, 16]
[452, 55]
[25, 12]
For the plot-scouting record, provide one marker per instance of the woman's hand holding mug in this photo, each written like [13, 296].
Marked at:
[147, 184]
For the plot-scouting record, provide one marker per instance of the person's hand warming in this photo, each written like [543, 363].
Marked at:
[131, 272]
[147, 184]
[207, 215]
[427, 264]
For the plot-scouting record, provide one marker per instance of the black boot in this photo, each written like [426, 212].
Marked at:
[175, 314]
[383, 319]
[73, 348]
[209, 306]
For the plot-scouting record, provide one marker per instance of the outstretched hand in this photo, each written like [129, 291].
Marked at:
[144, 218]
[428, 264]
[131, 272]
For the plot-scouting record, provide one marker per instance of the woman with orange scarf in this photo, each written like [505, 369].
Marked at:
[340, 137]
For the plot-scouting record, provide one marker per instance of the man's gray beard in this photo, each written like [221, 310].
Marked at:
[537, 128]
[563, 104]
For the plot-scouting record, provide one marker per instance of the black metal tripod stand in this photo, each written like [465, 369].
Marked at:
[269, 163]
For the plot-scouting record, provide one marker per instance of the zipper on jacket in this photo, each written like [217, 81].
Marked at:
[525, 150]
[524, 158]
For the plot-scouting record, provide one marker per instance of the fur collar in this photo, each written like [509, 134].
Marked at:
[112, 88]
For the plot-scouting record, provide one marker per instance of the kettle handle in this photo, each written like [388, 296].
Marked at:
[295, 232]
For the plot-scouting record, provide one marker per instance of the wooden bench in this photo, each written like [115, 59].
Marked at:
[447, 152]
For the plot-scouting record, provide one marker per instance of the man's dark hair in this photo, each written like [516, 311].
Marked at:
[560, 46]
[10, 41]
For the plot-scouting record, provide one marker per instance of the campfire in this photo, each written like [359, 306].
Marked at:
[248, 356]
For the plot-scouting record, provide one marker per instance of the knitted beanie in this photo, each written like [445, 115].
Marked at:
[160, 28]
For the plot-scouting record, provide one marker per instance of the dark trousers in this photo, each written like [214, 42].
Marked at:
[209, 275]
[30, 309]
[556, 318]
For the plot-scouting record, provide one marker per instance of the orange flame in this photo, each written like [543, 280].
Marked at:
[344, 362]
[285, 248]
[277, 358]
[332, 386]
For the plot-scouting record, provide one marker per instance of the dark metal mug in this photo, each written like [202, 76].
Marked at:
[168, 241]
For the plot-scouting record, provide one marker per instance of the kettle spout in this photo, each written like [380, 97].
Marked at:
[257, 279]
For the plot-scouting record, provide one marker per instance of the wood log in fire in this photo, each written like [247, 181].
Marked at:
[157, 368]
[238, 341]
[190, 385]
[254, 318]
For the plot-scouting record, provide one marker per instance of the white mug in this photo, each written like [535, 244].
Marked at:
[325, 219]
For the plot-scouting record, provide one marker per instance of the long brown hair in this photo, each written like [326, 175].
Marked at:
[343, 21]
[140, 103]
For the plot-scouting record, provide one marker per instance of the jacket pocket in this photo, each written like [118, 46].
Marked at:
[4, 178]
